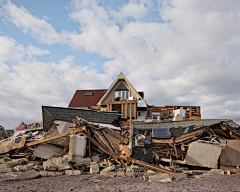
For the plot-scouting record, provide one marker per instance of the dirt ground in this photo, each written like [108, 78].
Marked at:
[101, 183]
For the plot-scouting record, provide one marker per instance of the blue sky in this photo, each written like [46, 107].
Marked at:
[178, 52]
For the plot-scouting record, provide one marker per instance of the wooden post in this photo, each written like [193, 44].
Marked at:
[122, 110]
[125, 110]
[135, 110]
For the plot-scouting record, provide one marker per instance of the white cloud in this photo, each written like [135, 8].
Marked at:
[28, 83]
[28, 23]
[190, 59]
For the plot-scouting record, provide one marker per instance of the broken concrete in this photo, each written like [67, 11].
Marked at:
[28, 175]
[51, 173]
[27, 167]
[163, 177]
[5, 168]
[94, 168]
[73, 172]
[203, 154]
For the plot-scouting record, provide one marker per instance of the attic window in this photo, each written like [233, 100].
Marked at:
[89, 94]
[121, 91]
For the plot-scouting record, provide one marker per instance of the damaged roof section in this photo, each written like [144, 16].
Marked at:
[178, 128]
[67, 114]
[86, 98]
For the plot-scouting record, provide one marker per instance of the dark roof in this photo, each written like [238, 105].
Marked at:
[87, 98]
[121, 87]
[178, 128]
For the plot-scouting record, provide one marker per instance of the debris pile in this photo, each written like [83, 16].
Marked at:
[83, 147]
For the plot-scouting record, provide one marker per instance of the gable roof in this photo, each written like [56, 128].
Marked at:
[86, 98]
[121, 76]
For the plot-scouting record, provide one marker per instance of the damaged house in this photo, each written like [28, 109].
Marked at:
[122, 97]
[88, 136]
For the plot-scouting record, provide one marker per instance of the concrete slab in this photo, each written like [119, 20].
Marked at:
[203, 154]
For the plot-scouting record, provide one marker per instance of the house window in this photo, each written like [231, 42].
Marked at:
[156, 115]
[121, 94]
[121, 91]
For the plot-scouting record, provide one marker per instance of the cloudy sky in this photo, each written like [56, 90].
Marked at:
[178, 52]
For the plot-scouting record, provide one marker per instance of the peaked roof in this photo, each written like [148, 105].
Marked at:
[121, 76]
[86, 98]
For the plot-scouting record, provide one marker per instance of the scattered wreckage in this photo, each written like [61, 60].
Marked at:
[80, 146]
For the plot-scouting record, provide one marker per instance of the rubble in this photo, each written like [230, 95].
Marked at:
[83, 147]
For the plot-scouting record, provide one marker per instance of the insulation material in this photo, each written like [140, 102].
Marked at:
[179, 114]
[203, 154]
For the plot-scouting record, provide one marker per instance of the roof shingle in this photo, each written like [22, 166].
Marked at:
[81, 99]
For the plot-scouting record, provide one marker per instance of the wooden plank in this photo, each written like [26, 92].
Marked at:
[120, 102]
[162, 140]
[11, 145]
[56, 137]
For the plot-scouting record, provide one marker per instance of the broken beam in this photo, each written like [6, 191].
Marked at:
[56, 137]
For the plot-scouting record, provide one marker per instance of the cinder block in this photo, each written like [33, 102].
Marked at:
[120, 174]
[6, 170]
[179, 175]
[108, 174]
[163, 177]
[2, 166]
[94, 168]
[73, 172]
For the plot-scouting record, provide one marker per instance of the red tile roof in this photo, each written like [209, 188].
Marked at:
[81, 100]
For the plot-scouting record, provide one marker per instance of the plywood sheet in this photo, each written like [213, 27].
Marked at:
[203, 154]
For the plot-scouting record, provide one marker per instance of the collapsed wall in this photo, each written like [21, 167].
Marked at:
[49, 114]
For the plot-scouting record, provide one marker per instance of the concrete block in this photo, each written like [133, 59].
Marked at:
[179, 175]
[107, 169]
[163, 177]
[61, 163]
[86, 161]
[6, 170]
[73, 172]
[108, 174]
[2, 166]
[217, 171]
[120, 174]
[27, 167]
[49, 165]
[128, 174]
[28, 175]
[94, 168]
